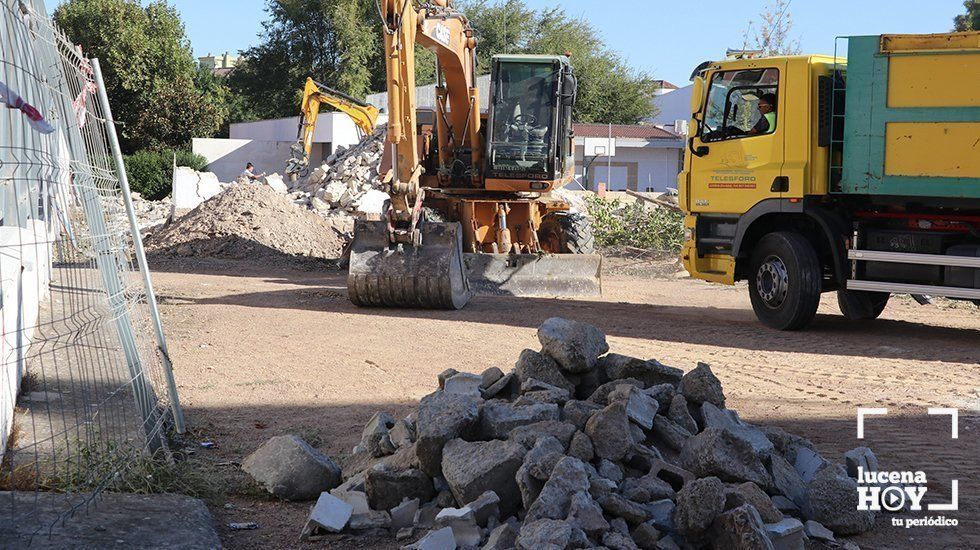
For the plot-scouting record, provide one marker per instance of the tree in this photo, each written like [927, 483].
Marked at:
[148, 70]
[773, 34]
[609, 90]
[969, 21]
[337, 42]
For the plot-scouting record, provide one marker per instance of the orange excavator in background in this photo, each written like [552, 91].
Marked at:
[471, 209]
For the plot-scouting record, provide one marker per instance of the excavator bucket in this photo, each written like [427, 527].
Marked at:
[429, 276]
[543, 275]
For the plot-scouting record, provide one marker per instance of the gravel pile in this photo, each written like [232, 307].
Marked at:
[575, 447]
[251, 222]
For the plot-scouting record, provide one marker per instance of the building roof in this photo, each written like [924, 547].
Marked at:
[665, 85]
[624, 131]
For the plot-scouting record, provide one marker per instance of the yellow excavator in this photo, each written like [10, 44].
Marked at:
[471, 209]
[364, 115]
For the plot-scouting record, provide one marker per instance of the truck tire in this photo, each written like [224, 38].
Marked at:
[579, 238]
[861, 305]
[785, 281]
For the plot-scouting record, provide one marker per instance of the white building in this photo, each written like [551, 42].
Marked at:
[647, 158]
[672, 106]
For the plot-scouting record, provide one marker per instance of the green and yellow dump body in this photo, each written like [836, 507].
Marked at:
[912, 117]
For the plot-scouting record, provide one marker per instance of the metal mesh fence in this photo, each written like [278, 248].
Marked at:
[86, 389]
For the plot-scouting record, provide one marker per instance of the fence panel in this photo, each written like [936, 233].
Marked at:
[86, 389]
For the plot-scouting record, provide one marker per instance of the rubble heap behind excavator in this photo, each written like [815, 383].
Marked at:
[470, 208]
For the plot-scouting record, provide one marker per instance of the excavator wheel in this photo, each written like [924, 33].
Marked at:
[429, 276]
[579, 238]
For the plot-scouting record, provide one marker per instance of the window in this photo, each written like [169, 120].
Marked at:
[741, 104]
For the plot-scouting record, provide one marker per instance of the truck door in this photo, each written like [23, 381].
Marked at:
[737, 154]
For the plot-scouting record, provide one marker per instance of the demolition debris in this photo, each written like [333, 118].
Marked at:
[575, 447]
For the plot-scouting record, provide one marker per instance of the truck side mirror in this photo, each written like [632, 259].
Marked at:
[697, 94]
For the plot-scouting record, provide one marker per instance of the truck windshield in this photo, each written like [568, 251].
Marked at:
[733, 107]
[525, 103]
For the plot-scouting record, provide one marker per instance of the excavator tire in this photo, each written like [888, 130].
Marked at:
[430, 276]
[579, 238]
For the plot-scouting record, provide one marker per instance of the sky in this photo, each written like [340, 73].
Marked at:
[665, 39]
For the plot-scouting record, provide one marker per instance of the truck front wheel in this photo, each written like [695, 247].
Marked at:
[785, 281]
[861, 305]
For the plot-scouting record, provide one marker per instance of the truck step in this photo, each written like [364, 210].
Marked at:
[905, 288]
[911, 258]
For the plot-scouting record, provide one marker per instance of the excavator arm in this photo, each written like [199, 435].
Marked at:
[364, 115]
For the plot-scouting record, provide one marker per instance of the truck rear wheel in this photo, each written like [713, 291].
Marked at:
[785, 281]
[861, 305]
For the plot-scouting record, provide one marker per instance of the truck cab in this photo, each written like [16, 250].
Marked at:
[806, 174]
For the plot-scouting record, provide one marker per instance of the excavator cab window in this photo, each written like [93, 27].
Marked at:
[525, 107]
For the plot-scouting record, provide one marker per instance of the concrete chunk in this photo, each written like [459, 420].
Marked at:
[291, 469]
[330, 513]
[575, 346]
[640, 408]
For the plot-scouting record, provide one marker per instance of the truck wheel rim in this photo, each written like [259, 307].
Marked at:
[772, 282]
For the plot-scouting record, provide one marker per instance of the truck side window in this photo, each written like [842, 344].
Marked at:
[741, 104]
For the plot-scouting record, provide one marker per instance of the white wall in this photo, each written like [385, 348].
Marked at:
[657, 163]
[227, 157]
[331, 127]
[674, 105]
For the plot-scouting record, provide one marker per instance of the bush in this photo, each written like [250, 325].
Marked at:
[617, 224]
[151, 172]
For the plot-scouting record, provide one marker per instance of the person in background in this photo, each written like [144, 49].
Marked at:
[249, 175]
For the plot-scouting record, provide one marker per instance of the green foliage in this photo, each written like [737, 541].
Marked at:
[609, 89]
[969, 21]
[617, 224]
[151, 172]
[337, 42]
[148, 70]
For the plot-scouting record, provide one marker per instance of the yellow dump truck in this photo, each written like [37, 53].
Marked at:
[857, 173]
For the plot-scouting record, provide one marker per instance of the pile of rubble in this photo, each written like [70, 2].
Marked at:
[575, 448]
[149, 214]
[347, 181]
[251, 222]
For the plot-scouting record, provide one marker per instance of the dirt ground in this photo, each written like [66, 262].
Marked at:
[260, 353]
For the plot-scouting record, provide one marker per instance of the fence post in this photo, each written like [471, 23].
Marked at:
[138, 247]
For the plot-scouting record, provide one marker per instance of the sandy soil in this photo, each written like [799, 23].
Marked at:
[262, 353]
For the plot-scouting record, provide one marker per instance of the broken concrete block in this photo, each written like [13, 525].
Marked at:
[502, 537]
[357, 500]
[575, 346]
[817, 531]
[609, 431]
[808, 462]
[581, 447]
[717, 452]
[700, 385]
[541, 459]
[440, 539]
[786, 534]
[544, 533]
[445, 375]
[787, 481]
[621, 507]
[504, 388]
[578, 413]
[275, 182]
[330, 513]
[670, 433]
[442, 417]
[675, 476]
[640, 408]
[662, 514]
[462, 521]
[741, 529]
[535, 391]
[585, 514]
[375, 432]
[472, 469]
[532, 364]
[750, 493]
[291, 469]
[387, 485]
[600, 395]
[786, 506]
[403, 515]
[530, 434]
[499, 418]
[663, 393]
[698, 504]
[650, 372]
[860, 457]
[832, 499]
[490, 377]
[681, 415]
[485, 508]
[610, 470]
[464, 383]
[369, 521]
[645, 535]
[647, 488]
[402, 434]
[569, 476]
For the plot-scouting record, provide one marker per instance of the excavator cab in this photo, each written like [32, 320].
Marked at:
[530, 121]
